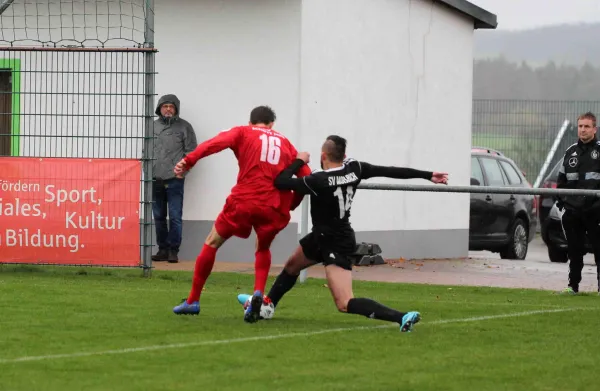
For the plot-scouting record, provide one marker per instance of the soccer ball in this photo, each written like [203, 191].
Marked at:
[267, 309]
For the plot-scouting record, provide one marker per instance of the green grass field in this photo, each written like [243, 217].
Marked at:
[101, 329]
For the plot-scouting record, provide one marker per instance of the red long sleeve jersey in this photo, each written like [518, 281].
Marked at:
[262, 154]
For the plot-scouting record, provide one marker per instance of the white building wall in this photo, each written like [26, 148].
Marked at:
[394, 78]
[223, 58]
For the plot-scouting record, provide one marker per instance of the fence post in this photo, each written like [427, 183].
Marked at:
[304, 231]
[148, 154]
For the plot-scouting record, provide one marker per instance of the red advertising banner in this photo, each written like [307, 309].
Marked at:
[70, 211]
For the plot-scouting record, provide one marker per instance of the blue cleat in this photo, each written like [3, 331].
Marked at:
[409, 320]
[187, 309]
[252, 313]
[243, 298]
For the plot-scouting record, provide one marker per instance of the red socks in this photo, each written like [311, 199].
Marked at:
[206, 261]
[262, 264]
[204, 265]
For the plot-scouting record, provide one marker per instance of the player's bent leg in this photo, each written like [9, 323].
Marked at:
[262, 259]
[214, 239]
[267, 223]
[298, 261]
[339, 281]
[262, 264]
[286, 280]
[202, 269]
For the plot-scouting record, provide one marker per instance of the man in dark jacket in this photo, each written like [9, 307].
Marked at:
[581, 170]
[174, 138]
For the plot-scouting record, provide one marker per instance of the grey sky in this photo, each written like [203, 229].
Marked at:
[526, 14]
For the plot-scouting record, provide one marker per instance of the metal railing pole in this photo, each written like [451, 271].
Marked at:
[304, 230]
[478, 189]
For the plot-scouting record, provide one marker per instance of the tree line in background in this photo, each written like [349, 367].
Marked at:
[501, 79]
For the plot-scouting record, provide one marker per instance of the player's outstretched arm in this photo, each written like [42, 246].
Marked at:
[298, 197]
[303, 185]
[225, 139]
[370, 170]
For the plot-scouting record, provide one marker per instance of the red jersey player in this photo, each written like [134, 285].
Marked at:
[254, 202]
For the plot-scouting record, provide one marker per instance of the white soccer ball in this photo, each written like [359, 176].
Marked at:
[266, 310]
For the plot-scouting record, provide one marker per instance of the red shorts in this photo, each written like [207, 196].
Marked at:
[238, 218]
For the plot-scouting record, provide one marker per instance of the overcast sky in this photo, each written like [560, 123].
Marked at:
[526, 14]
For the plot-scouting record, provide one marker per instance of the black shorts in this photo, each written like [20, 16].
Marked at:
[325, 252]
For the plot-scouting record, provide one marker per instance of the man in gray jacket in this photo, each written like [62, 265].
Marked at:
[174, 138]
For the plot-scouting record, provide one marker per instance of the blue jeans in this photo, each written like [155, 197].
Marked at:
[168, 196]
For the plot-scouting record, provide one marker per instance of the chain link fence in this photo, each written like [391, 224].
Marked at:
[525, 130]
[77, 82]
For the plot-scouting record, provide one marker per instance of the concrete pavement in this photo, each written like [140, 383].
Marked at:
[479, 269]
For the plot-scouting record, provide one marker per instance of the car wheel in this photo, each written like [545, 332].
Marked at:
[557, 255]
[518, 243]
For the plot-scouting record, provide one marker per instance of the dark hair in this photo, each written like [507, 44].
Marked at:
[335, 148]
[262, 115]
[589, 115]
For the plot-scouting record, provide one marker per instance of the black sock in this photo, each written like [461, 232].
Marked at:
[282, 285]
[372, 309]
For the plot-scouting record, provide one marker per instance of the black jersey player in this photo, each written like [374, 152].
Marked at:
[332, 240]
